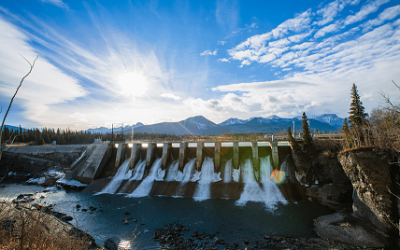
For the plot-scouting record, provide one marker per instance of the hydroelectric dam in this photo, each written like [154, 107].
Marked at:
[244, 171]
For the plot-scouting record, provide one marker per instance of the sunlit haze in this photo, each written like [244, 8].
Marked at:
[104, 62]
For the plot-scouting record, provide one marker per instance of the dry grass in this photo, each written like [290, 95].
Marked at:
[25, 227]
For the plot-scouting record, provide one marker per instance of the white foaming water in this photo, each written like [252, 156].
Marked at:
[188, 171]
[203, 191]
[228, 171]
[138, 171]
[172, 171]
[184, 177]
[269, 194]
[196, 176]
[122, 174]
[270, 187]
[145, 187]
[217, 177]
[236, 175]
[160, 175]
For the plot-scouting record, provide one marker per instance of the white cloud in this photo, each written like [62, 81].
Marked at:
[388, 14]
[222, 42]
[366, 9]
[331, 10]
[45, 87]
[223, 60]
[58, 3]
[297, 24]
[327, 29]
[170, 96]
[209, 53]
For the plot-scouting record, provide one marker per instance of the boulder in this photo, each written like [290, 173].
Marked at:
[341, 227]
[370, 174]
[110, 244]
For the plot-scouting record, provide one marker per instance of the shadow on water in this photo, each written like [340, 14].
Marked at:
[231, 222]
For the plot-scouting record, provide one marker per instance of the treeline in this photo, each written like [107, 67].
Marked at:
[47, 135]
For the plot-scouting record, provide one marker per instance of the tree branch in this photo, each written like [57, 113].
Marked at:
[12, 100]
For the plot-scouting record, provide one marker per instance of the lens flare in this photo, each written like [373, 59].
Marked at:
[278, 176]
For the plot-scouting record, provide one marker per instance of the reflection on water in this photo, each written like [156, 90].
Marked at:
[232, 223]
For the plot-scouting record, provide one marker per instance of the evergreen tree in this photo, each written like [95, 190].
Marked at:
[357, 117]
[307, 138]
[348, 143]
[293, 142]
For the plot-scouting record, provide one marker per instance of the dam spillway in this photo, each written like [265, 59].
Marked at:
[199, 170]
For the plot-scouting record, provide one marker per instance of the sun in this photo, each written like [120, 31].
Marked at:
[133, 84]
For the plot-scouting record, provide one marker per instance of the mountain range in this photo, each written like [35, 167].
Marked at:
[199, 125]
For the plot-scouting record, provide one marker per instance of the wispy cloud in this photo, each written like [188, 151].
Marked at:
[223, 60]
[45, 78]
[365, 11]
[222, 42]
[209, 53]
[331, 10]
[170, 96]
[386, 15]
[58, 3]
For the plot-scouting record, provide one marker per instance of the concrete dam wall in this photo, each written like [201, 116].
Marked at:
[200, 170]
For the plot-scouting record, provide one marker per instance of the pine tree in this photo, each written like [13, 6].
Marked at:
[307, 138]
[348, 143]
[293, 142]
[357, 117]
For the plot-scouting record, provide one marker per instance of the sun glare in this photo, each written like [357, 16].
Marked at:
[133, 84]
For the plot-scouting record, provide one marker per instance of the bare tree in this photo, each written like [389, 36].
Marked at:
[12, 99]
[394, 107]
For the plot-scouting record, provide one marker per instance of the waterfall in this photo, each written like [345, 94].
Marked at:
[122, 174]
[138, 171]
[184, 177]
[268, 193]
[160, 174]
[188, 170]
[145, 187]
[228, 171]
[172, 171]
[203, 191]
[270, 188]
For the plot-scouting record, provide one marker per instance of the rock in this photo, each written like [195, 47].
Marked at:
[84, 209]
[218, 241]
[48, 226]
[334, 196]
[127, 213]
[110, 244]
[92, 208]
[78, 206]
[370, 174]
[246, 242]
[344, 228]
[267, 237]
[194, 234]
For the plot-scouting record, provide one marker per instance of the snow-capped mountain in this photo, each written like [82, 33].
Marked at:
[231, 121]
[200, 121]
[126, 129]
[199, 125]
[331, 119]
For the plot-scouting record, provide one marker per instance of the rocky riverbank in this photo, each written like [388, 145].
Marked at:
[36, 226]
[172, 236]
[358, 184]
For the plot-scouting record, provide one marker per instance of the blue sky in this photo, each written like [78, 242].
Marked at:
[104, 62]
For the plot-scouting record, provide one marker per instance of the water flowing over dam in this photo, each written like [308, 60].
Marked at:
[202, 170]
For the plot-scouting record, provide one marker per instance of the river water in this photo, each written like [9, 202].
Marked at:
[230, 220]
